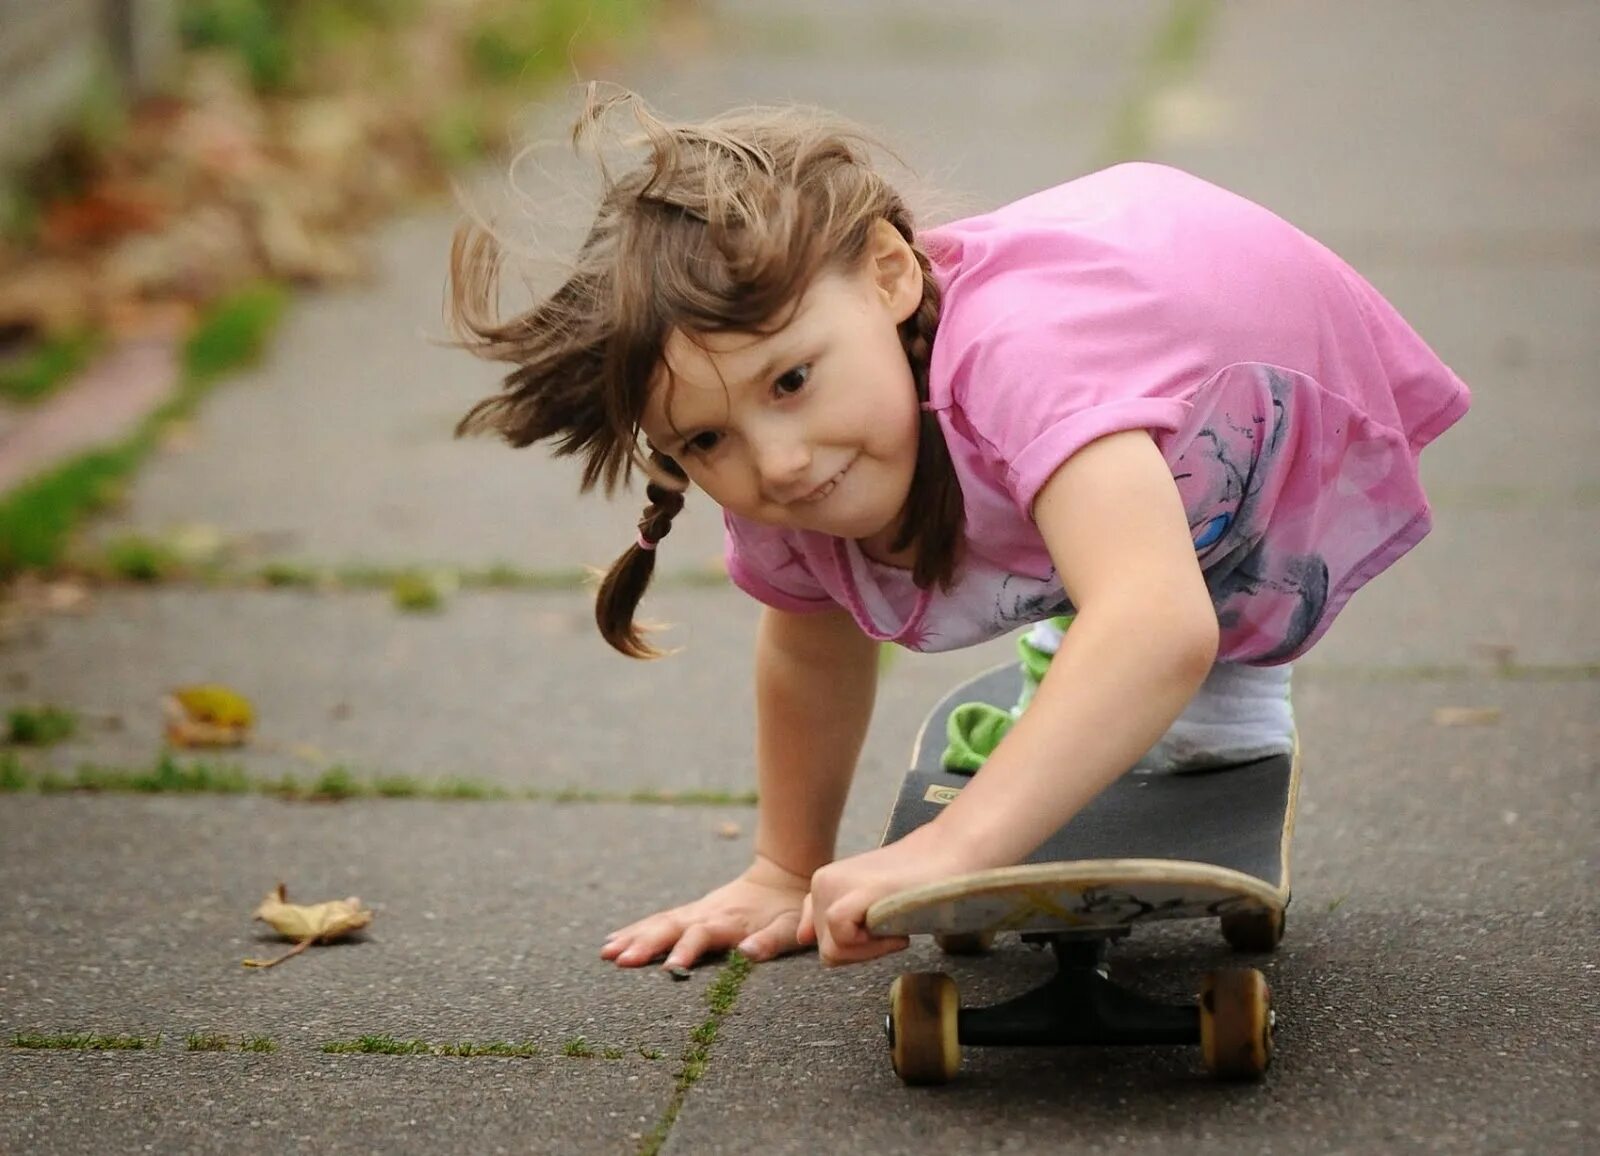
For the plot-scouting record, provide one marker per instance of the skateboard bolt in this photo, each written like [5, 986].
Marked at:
[1272, 1021]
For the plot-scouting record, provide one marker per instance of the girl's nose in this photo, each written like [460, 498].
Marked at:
[783, 464]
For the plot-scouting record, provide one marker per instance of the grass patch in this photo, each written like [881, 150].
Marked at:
[257, 1044]
[84, 1042]
[720, 999]
[137, 558]
[337, 783]
[40, 371]
[37, 518]
[142, 559]
[233, 332]
[500, 1048]
[417, 593]
[397, 787]
[387, 1045]
[201, 1042]
[13, 775]
[170, 775]
[285, 575]
[466, 790]
[384, 1045]
[40, 726]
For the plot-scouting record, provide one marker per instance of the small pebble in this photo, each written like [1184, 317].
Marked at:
[679, 973]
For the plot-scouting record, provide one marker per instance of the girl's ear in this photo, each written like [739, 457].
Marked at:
[894, 269]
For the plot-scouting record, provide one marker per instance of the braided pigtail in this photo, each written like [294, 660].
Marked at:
[629, 577]
[935, 514]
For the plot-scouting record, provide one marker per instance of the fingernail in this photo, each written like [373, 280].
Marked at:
[679, 973]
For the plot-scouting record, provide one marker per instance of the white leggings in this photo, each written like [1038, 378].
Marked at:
[1239, 713]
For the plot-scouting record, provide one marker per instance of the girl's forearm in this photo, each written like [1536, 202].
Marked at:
[1113, 689]
[816, 677]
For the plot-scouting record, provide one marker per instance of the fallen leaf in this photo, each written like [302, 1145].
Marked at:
[1466, 716]
[207, 716]
[308, 923]
[729, 831]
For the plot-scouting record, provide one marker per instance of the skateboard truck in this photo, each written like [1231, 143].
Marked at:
[1079, 1006]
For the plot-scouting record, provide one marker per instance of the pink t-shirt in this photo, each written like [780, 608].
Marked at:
[1289, 398]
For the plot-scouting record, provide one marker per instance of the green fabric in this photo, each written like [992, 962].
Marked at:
[975, 729]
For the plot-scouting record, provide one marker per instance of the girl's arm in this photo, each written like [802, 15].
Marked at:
[816, 675]
[816, 678]
[1144, 638]
[1143, 641]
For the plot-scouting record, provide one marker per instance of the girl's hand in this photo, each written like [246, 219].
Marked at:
[758, 913]
[835, 915]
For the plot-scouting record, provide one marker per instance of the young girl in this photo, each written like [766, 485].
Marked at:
[1135, 397]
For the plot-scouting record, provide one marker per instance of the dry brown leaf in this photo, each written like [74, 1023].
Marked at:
[207, 716]
[1466, 716]
[308, 923]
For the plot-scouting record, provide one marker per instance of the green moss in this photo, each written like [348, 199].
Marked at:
[14, 776]
[416, 594]
[234, 331]
[84, 1042]
[337, 783]
[40, 726]
[720, 999]
[383, 1045]
[136, 558]
[37, 517]
[501, 1048]
[42, 370]
[201, 1042]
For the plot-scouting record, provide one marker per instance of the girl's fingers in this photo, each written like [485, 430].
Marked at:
[695, 942]
[846, 919]
[843, 937]
[651, 941]
[806, 934]
[775, 939]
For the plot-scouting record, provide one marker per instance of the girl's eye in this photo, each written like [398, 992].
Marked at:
[703, 443]
[792, 381]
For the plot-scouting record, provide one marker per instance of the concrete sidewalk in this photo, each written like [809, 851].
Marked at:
[1437, 989]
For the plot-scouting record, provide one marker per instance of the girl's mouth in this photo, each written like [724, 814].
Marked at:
[827, 487]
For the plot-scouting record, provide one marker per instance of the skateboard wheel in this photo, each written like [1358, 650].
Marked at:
[965, 943]
[1253, 930]
[1236, 1023]
[924, 1012]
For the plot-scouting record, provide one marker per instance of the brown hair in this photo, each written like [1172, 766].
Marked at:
[720, 227]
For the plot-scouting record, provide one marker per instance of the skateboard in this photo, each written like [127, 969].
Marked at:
[1210, 844]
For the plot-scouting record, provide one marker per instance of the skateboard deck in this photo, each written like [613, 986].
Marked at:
[1150, 847]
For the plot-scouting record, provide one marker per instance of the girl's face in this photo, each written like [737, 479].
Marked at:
[813, 427]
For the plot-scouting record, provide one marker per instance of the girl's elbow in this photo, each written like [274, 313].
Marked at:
[1194, 641]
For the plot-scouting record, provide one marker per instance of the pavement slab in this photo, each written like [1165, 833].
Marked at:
[489, 918]
[499, 688]
[57, 1103]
